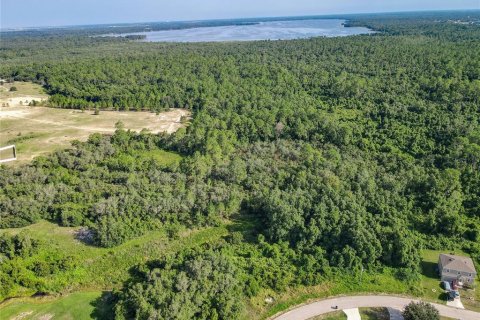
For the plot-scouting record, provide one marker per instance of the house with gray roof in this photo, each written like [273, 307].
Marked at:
[452, 267]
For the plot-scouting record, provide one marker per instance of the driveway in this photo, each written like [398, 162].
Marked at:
[395, 314]
[352, 314]
[325, 306]
[456, 303]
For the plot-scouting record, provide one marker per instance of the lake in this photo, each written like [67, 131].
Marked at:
[271, 30]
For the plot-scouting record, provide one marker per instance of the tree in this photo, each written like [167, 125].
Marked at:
[186, 286]
[420, 311]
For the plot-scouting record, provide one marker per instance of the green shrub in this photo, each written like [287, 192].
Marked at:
[420, 311]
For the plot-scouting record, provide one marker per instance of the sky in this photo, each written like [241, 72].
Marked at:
[32, 13]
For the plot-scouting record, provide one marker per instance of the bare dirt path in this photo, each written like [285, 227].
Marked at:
[51, 123]
[172, 118]
[325, 306]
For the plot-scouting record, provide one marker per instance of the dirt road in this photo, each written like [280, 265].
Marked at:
[325, 306]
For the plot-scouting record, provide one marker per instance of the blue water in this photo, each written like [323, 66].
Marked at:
[273, 30]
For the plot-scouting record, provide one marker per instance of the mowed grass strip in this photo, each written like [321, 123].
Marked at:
[78, 306]
[42, 130]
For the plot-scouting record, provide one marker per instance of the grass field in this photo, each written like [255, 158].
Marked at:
[76, 306]
[23, 89]
[40, 130]
[99, 271]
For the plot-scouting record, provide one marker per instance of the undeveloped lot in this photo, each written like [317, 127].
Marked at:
[40, 130]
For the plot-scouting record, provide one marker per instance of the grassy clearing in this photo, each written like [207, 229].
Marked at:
[23, 89]
[374, 314]
[40, 130]
[430, 279]
[106, 269]
[80, 305]
[98, 269]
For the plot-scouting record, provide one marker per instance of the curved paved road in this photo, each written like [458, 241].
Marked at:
[325, 306]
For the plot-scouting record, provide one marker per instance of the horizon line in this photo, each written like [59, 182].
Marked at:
[37, 28]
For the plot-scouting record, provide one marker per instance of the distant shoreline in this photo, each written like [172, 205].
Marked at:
[239, 31]
[187, 24]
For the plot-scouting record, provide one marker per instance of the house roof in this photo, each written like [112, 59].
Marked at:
[457, 263]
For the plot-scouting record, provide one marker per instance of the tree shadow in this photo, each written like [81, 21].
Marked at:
[85, 236]
[246, 226]
[376, 313]
[429, 269]
[443, 296]
[103, 306]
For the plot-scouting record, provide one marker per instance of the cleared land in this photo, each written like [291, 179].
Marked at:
[40, 130]
[98, 269]
[80, 306]
[102, 268]
[25, 92]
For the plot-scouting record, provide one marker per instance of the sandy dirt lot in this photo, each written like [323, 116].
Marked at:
[40, 130]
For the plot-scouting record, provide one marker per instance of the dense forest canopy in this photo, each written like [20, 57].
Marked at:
[345, 153]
